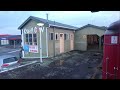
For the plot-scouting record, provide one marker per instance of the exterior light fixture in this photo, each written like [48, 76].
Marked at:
[40, 24]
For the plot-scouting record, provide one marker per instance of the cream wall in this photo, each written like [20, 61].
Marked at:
[81, 37]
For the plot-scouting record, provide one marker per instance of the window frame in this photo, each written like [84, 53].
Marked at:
[35, 43]
[57, 36]
[67, 36]
[31, 42]
[51, 38]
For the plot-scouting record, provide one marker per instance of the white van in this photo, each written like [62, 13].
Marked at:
[7, 61]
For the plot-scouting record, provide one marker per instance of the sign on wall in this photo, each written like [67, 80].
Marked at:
[26, 48]
[32, 30]
[114, 39]
[33, 48]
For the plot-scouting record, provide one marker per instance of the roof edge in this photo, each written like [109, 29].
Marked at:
[35, 18]
[94, 26]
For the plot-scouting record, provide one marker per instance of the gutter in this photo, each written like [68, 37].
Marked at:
[61, 26]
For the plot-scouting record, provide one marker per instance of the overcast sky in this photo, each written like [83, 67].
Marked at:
[11, 20]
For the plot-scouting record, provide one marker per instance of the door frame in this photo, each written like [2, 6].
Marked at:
[61, 49]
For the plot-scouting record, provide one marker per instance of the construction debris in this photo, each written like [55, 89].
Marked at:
[70, 65]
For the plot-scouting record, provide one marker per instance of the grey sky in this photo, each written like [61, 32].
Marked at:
[10, 20]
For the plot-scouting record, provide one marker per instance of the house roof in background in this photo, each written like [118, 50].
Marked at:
[11, 37]
[94, 26]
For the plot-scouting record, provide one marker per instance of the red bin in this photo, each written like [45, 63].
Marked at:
[111, 54]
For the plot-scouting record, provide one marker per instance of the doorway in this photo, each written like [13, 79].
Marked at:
[71, 42]
[61, 42]
[92, 42]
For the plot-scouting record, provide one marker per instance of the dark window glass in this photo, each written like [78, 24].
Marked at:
[51, 36]
[35, 43]
[9, 60]
[30, 43]
[61, 35]
[34, 35]
[56, 36]
[30, 37]
[34, 38]
[65, 36]
[26, 37]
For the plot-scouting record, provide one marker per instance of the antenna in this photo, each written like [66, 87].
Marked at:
[47, 17]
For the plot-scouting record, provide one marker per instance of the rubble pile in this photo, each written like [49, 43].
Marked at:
[70, 65]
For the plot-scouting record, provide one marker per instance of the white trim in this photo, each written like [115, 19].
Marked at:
[50, 35]
[57, 36]
[23, 54]
[40, 47]
[61, 26]
[47, 40]
[35, 57]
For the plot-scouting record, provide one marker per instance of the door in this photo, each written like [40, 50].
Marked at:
[110, 58]
[71, 42]
[61, 42]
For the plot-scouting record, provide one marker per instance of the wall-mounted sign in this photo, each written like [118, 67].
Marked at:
[32, 30]
[33, 48]
[26, 48]
[41, 28]
[114, 39]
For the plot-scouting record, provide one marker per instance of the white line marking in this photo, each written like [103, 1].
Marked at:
[13, 51]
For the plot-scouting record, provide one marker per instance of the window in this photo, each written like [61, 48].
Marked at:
[4, 42]
[61, 35]
[27, 38]
[66, 36]
[51, 36]
[56, 36]
[31, 39]
[35, 39]
[9, 60]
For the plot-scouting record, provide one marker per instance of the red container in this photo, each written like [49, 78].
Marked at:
[111, 55]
